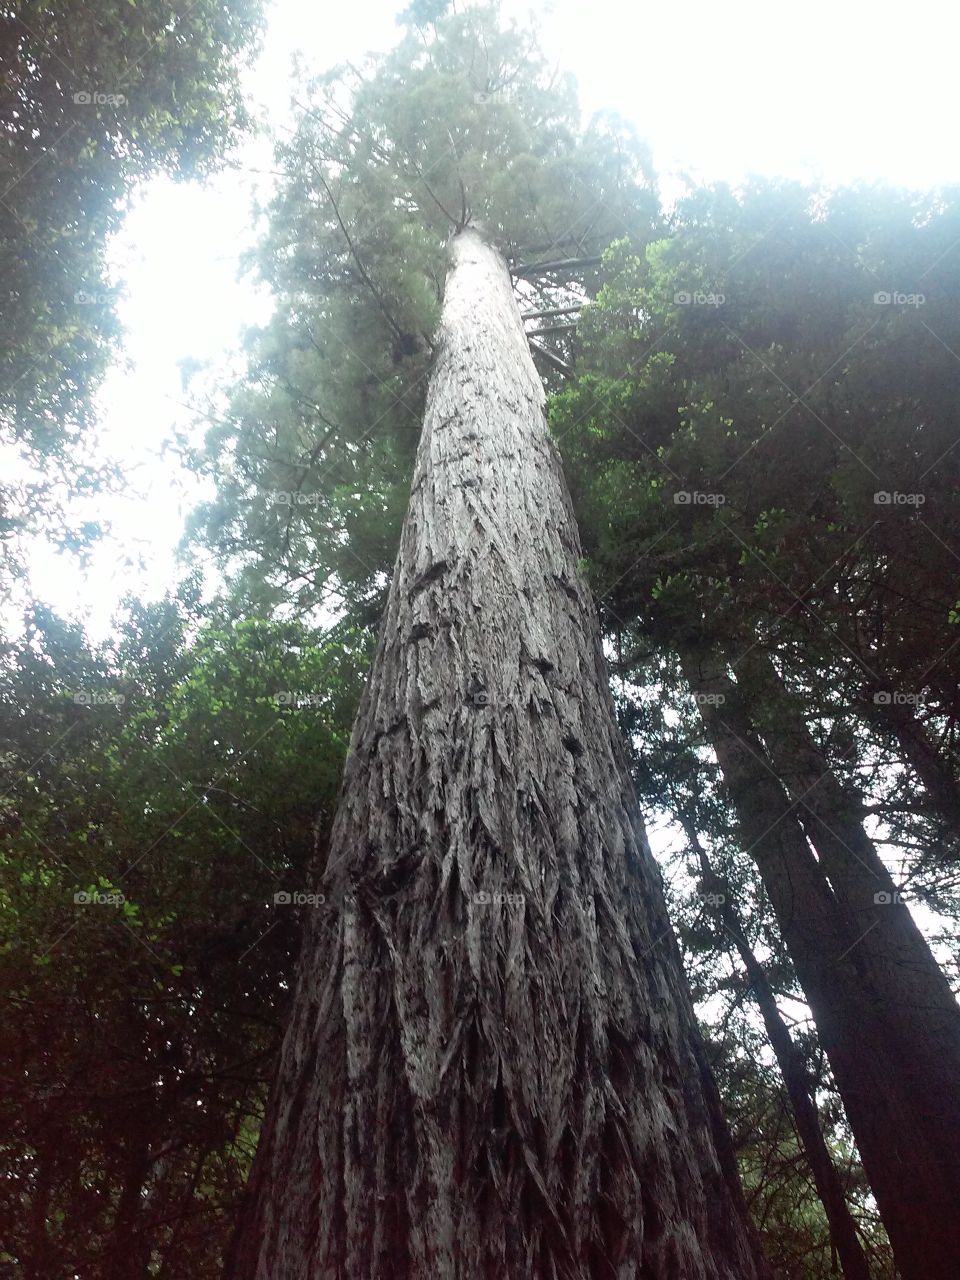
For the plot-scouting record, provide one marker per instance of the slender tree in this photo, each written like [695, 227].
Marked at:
[793, 1067]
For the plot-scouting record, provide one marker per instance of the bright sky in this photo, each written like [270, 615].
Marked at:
[834, 91]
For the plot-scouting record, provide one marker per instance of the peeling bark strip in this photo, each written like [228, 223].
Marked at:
[492, 1067]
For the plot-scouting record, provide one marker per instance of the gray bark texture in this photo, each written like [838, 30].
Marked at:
[492, 1067]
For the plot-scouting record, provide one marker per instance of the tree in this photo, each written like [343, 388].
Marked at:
[794, 1071]
[735, 537]
[789, 1143]
[885, 1012]
[492, 1064]
[95, 98]
[783, 441]
[161, 795]
[313, 453]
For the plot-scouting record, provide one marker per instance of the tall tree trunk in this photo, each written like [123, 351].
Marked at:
[912, 993]
[492, 1066]
[793, 1068]
[908, 1157]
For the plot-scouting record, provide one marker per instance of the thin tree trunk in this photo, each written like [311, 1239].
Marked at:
[909, 1161]
[38, 1263]
[935, 768]
[492, 1066]
[793, 1068]
[128, 1245]
[932, 766]
[913, 994]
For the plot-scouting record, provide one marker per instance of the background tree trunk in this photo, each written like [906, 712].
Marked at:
[492, 1066]
[913, 995]
[793, 1068]
[933, 767]
[908, 1159]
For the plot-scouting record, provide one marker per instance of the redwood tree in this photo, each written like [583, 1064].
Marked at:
[492, 1065]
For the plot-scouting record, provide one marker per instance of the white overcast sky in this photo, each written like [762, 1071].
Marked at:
[832, 91]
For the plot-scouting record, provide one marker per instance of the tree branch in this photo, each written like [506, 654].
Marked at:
[552, 360]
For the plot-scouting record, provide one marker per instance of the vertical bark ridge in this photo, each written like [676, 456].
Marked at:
[492, 1066]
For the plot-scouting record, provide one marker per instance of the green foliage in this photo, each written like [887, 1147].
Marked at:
[159, 793]
[179, 777]
[760, 451]
[464, 121]
[95, 97]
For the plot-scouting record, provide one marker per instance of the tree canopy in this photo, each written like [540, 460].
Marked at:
[754, 395]
[95, 98]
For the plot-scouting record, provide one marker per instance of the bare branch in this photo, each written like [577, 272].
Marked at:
[552, 360]
[563, 264]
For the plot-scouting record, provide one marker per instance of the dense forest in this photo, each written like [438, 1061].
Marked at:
[544, 512]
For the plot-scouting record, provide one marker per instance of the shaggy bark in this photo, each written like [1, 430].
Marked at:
[492, 1066]
[905, 1131]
